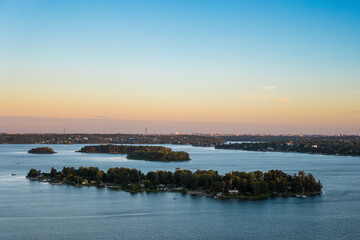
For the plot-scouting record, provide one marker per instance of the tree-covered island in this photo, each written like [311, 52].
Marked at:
[326, 147]
[209, 183]
[42, 150]
[149, 153]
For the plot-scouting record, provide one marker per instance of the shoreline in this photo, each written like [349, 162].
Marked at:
[269, 151]
[195, 193]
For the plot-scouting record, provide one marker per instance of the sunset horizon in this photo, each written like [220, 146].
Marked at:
[282, 67]
[101, 125]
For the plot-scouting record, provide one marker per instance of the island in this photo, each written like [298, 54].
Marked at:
[208, 183]
[42, 150]
[149, 153]
[325, 147]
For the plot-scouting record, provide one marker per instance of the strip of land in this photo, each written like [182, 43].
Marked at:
[42, 150]
[149, 153]
[235, 184]
[326, 147]
[49, 138]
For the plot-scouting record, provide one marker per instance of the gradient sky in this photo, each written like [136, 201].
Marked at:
[284, 66]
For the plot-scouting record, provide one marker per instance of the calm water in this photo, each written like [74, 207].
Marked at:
[36, 210]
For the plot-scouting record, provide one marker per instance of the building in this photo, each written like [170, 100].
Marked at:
[233, 191]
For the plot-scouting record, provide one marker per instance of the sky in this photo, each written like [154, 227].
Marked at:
[188, 66]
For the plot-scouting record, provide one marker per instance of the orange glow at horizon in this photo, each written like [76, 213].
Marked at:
[175, 106]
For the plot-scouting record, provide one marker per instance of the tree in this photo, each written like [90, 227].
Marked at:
[32, 173]
[99, 176]
[53, 172]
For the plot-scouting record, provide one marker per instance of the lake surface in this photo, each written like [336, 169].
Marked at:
[34, 210]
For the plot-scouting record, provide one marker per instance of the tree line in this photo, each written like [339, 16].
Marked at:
[328, 147]
[251, 184]
[150, 153]
[42, 150]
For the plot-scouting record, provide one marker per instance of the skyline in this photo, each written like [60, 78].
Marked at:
[199, 66]
[113, 126]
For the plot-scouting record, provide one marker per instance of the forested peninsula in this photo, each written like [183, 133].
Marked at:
[42, 150]
[209, 183]
[149, 153]
[326, 147]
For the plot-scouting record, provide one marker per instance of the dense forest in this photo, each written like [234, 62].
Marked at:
[205, 182]
[150, 153]
[108, 138]
[328, 147]
[118, 149]
[42, 150]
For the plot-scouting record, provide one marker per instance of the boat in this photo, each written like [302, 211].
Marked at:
[13, 174]
[301, 196]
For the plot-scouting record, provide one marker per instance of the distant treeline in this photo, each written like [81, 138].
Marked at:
[151, 153]
[107, 138]
[328, 147]
[236, 184]
[42, 150]
[271, 138]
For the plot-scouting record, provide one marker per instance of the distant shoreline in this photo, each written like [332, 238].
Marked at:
[329, 148]
[109, 139]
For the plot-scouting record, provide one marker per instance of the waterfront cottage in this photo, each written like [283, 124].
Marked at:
[233, 191]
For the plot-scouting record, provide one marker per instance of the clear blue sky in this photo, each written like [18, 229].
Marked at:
[250, 62]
